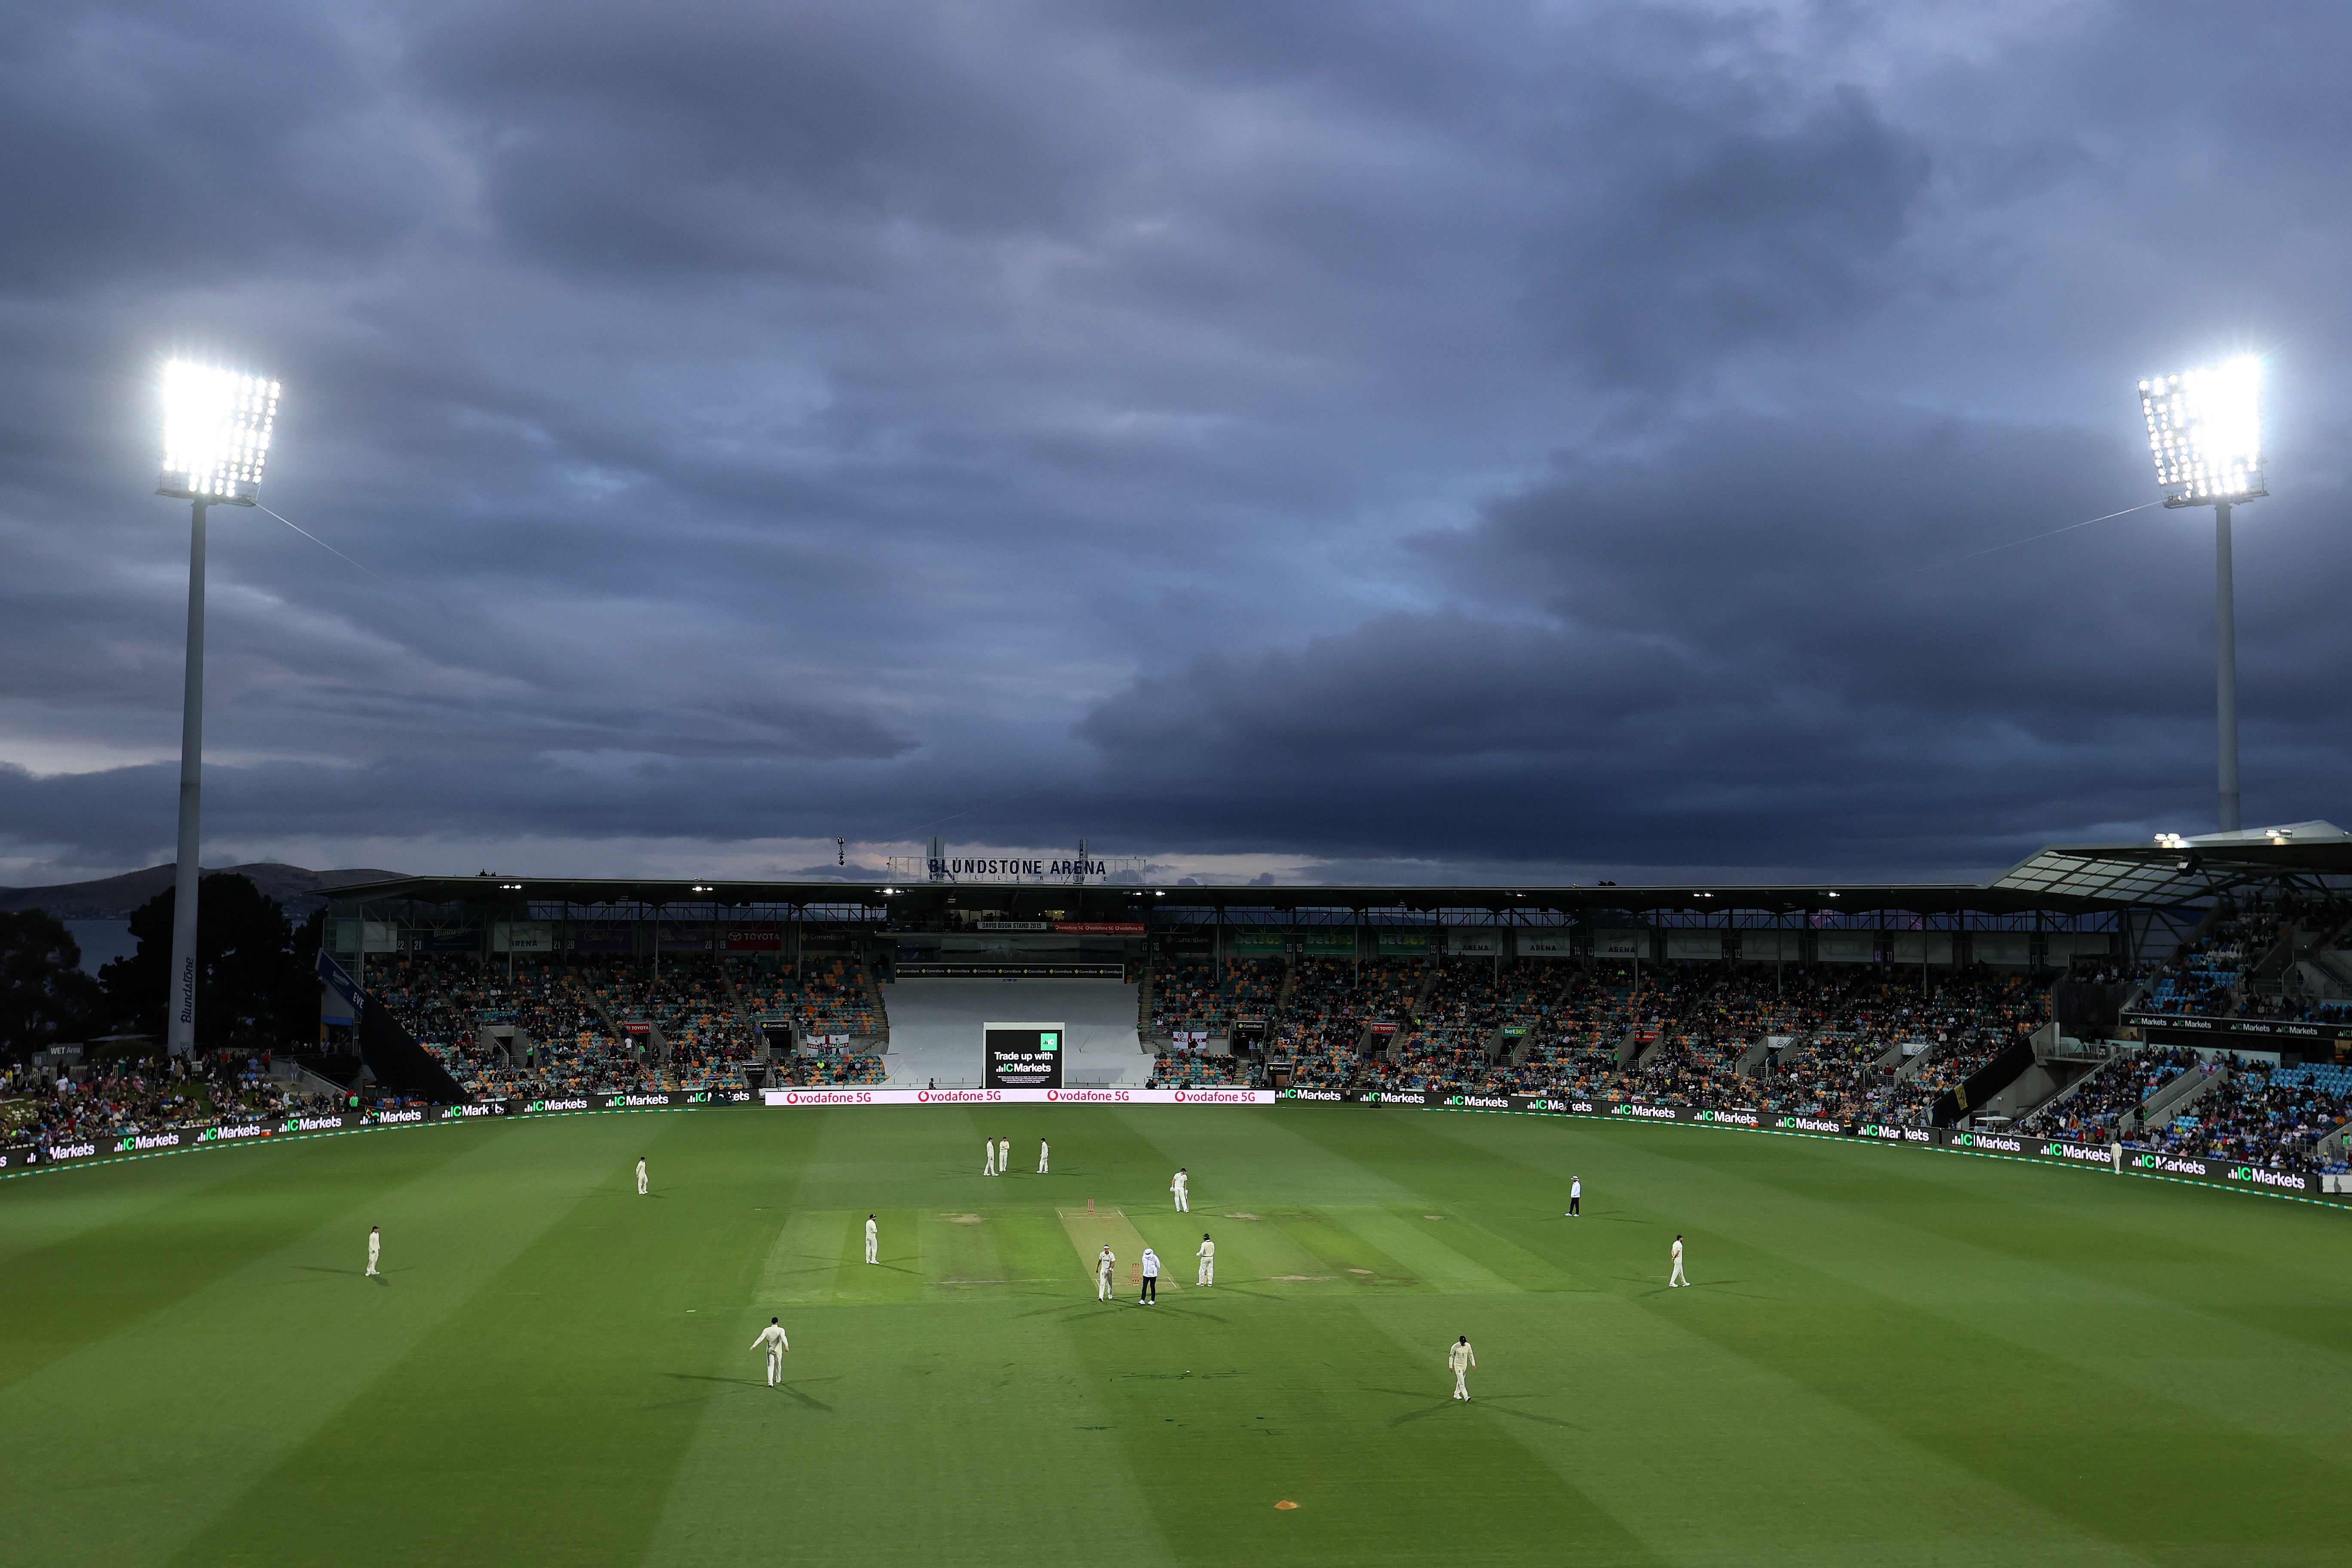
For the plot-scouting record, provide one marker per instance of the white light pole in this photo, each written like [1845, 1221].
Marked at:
[2205, 427]
[216, 427]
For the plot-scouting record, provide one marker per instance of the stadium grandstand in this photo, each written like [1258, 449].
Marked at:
[2074, 995]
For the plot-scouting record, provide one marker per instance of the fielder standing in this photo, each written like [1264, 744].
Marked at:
[1208, 1256]
[988, 1156]
[1042, 1153]
[375, 1249]
[641, 1175]
[772, 1336]
[1182, 1186]
[872, 1239]
[1461, 1357]
[1150, 1296]
[1005, 1157]
[1575, 1197]
[1677, 1278]
[1108, 1261]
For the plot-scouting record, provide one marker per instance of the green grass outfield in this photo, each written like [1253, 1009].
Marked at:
[1890, 1355]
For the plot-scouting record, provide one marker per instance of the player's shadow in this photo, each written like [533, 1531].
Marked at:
[1494, 1403]
[811, 1401]
[1415, 1414]
[1177, 1310]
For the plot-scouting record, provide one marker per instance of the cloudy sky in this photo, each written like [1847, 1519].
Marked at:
[1448, 440]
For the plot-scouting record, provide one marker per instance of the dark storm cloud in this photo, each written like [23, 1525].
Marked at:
[1731, 644]
[1715, 237]
[1490, 436]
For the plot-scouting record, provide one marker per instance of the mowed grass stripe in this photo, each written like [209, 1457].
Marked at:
[228, 1212]
[2030, 1291]
[1522, 1267]
[805, 1263]
[2011, 1432]
[1840, 1388]
[2025, 1432]
[1709, 1456]
[156, 1428]
[954, 1428]
[1421, 1250]
[605, 1323]
[909, 1434]
[1253, 1254]
[897, 1275]
[1225, 1406]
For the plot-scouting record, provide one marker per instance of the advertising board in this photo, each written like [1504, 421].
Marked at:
[1021, 1056]
[815, 1098]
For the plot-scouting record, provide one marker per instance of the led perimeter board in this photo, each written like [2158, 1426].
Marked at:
[1023, 1056]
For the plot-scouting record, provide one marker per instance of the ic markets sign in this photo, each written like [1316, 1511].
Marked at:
[176, 1138]
[2197, 1167]
[1023, 1056]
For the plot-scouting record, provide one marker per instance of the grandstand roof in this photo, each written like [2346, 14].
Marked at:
[2070, 878]
[2180, 869]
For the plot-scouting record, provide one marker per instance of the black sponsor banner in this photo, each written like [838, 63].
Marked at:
[2011, 1145]
[2202, 1168]
[114, 1146]
[2252, 1033]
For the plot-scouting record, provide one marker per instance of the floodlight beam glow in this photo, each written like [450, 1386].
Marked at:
[2205, 431]
[216, 428]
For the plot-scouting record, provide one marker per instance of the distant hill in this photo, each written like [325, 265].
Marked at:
[111, 898]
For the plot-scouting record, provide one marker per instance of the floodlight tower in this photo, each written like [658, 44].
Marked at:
[2205, 427]
[216, 427]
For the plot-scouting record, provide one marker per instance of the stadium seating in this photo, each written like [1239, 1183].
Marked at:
[2264, 1116]
[2088, 1112]
[123, 1098]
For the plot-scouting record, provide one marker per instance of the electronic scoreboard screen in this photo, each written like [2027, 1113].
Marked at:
[1023, 1056]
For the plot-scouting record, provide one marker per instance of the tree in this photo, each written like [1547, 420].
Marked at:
[44, 997]
[252, 988]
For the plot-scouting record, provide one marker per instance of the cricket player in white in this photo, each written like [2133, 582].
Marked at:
[872, 1239]
[1182, 1187]
[375, 1249]
[988, 1156]
[1678, 1279]
[1208, 1256]
[772, 1336]
[1151, 1297]
[1005, 1157]
[1041, 1156]
[1461, 1357]
[1575, 1197]
[1103, 1266]
[641, 1175]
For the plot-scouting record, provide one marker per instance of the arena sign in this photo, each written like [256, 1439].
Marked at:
[959, 867]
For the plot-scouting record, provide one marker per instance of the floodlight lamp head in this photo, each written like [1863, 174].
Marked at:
[2205, 430]
[216, 430]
